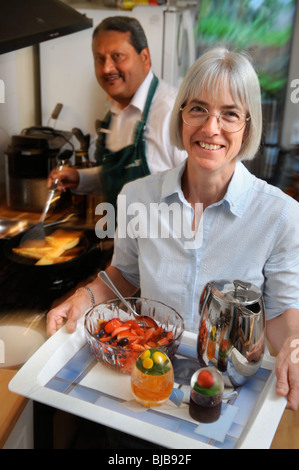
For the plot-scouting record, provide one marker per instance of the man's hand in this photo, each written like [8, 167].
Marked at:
[67, 178]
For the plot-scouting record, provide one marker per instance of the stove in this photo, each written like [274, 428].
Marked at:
[24, 287]
[26, 295]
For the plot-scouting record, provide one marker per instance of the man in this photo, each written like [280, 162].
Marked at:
[134, 137]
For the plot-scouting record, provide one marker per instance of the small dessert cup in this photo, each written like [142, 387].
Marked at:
[206, 395]
[152, 378]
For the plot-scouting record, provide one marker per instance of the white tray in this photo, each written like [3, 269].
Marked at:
[63, 374]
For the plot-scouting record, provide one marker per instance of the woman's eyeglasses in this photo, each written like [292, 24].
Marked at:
[230, 121]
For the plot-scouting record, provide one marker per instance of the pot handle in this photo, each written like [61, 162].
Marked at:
[242, 284]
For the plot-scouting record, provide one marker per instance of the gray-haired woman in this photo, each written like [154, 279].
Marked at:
[248, 229]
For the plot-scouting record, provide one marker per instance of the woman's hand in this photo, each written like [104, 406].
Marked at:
[68, 312]
[287, 372]
[74, 307]
[283, 335]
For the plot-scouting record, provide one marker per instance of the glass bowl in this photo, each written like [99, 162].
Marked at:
[123, 357]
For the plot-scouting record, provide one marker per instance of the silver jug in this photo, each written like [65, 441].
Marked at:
[232, 329]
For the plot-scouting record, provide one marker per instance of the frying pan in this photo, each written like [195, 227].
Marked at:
[85, 244]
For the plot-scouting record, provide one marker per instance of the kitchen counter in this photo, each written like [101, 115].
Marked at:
[12, 214]
[12, 405]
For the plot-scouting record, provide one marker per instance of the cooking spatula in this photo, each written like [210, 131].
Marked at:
[37, 232]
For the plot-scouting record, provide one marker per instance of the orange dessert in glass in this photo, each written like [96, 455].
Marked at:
[152, 378]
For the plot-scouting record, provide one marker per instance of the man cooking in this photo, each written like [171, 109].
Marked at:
[134, 137]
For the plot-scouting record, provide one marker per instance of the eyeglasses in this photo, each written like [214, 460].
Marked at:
[195, 115]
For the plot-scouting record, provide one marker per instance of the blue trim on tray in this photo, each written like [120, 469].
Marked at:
[228, 429]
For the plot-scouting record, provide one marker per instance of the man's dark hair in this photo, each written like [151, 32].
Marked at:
[124, 24]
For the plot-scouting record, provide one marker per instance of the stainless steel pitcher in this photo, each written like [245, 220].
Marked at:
[232, 328]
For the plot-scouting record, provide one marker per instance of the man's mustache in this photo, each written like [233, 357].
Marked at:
[109, 76]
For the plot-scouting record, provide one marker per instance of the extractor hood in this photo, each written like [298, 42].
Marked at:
[27, 22]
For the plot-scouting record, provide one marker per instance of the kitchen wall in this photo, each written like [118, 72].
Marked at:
[19, 75]
[20, 109]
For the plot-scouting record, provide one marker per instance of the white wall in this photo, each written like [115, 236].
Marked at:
[18, 79]
[17, 73]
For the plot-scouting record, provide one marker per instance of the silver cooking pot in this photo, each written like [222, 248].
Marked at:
[232, 328]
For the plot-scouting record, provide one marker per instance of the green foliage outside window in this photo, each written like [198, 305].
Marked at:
[261, 27]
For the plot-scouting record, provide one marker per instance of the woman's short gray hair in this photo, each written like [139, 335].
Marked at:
[213, 70]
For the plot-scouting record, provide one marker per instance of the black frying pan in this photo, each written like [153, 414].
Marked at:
[85, 245]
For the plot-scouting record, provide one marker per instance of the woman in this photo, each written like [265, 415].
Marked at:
[248, 229]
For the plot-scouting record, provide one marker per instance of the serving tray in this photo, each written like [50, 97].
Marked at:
[63, 374]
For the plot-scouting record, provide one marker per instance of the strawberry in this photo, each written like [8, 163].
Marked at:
[223, 345]
[119, 329]
[112, 324]
[205, 379]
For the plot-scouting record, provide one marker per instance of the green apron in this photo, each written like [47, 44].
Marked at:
[128, 163]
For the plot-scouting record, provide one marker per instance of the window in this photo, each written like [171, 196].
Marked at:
[264, 29]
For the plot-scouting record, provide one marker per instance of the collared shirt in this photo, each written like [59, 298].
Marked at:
[124, 120]
[252, 234]
[160, 154]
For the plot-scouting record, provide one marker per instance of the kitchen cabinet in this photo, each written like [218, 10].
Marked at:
[16, 416]
[21, 437]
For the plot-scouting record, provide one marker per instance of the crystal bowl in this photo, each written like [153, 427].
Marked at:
[122, 357]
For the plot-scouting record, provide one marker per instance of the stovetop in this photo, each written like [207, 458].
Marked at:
[24, 287]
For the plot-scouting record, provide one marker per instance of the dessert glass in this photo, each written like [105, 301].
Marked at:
[152, 378]
[206, 395]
